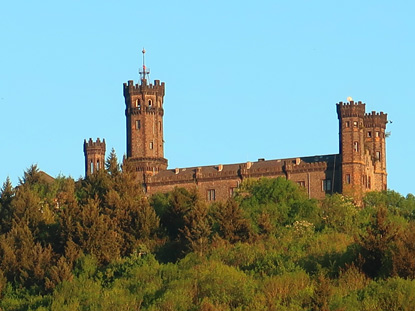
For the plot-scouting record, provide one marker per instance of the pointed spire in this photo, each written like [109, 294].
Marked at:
[144, 70]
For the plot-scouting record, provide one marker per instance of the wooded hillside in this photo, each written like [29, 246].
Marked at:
[99, 244]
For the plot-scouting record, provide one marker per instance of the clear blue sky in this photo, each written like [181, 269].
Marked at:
[244, 80]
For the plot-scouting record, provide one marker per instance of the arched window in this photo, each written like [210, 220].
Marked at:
[356, 146]
[97, 165]
[150, 103]
[91, 167]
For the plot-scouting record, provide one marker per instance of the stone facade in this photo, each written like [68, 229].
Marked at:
[359, 167]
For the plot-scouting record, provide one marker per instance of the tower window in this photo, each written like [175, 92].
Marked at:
[151, 145]
[356, 146]
[160, 125]
[347, 178]
[378, 155]
[301, 183]
[150, 103]
[369, 134]
[377, 134]
[347, 124]
[211, 195]
[354, 123]
[137, 124]
[91, 167]
[137, 103]
[98, 165]
[326, 185]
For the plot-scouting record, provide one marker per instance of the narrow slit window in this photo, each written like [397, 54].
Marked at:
[211, 195]
[356, 146]
[347, 178]
[151, 145]
[137, 124]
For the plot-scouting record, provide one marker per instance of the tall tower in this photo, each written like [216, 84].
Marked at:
[144, 115]
[375, 126]
[94, 152]
[352, 147]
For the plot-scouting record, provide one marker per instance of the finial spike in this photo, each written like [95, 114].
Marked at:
[144, 71]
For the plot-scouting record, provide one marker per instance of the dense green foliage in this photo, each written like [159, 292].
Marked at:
[99, 244]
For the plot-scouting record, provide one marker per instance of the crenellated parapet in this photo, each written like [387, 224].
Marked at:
[351, 109]
[136, 89]
[97, 146]
[374, 119]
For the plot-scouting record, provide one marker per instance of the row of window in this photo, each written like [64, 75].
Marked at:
[377, 134]
[369, 133]
[138, 103]
[326, 184]
[355, 124]
[366, 180]
[211, 193]
[91, 166]
[138, 125]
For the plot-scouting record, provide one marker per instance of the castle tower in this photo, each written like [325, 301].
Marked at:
[352, 147]
[375, 126]
[144, 115]
[94, 152]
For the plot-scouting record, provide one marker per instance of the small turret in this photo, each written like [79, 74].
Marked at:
[94, 152]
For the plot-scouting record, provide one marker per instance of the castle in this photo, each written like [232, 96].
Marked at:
[360, 165]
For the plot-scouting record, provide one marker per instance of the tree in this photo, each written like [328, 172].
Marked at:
[112, 165]
[232, 225]
[6, 212]
[197, 228]
[377, 243]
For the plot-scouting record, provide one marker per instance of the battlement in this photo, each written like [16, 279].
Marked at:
[134, 89]
[375, 119]
[351, 109]
[97, 145]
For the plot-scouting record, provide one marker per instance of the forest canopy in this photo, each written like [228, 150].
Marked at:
[100, 244]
